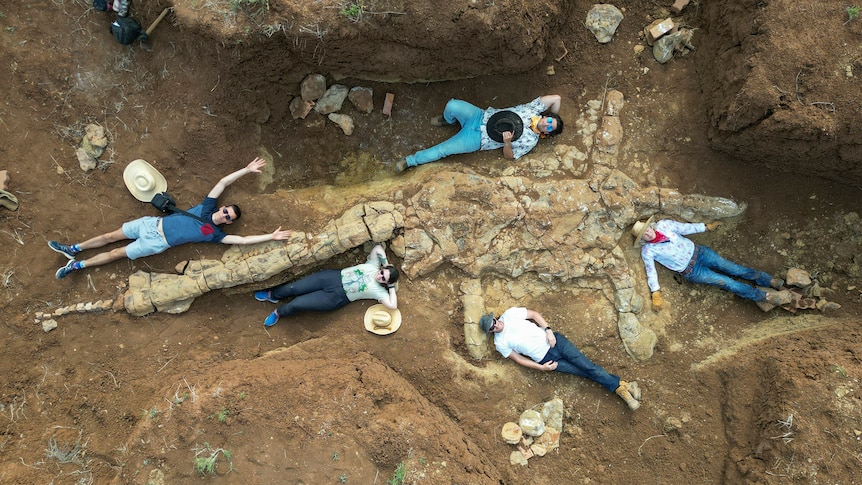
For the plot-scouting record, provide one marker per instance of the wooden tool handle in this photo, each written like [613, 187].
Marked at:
[159, 19]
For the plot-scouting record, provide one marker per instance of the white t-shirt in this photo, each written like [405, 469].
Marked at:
[521, 335]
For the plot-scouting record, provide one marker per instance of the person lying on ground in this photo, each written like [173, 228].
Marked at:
[154, 235]
[533, 344]
[331, 289]
[516, 130]
[664, 242]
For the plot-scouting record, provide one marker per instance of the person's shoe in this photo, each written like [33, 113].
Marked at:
[65, 270]
[264, 295]
[623, 392]
[271, 319]
[439, 121]
[400, 166]
[63, 249]
[634, 390]
[778, 298]
[776, 283]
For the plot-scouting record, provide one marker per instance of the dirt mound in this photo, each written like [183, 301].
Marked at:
[782, 85]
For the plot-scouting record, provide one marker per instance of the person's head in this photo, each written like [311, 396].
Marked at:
[643, 231]
[490, 324]
[550, 125]
[226, 214]
[387, 275]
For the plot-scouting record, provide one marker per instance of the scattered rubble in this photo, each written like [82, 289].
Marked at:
[536, 433]
[804, 293]
[315, 96]
[93, 144]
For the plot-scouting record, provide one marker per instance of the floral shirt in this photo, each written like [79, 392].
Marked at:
[674, 254]
[528, 139]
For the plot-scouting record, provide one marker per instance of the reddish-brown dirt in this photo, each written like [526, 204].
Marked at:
[320, 400]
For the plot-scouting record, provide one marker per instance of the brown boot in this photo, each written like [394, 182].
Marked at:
[623, 392]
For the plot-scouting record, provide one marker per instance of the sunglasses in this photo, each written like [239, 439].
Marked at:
[494, 325]
[226, 214]
[383, 275]
[550, 124]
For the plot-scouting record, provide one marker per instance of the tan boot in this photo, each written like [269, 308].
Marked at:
[623, 392]
[634, 390]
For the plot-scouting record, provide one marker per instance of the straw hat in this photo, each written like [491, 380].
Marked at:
[638, 231]
[382, 320]
[143, 180]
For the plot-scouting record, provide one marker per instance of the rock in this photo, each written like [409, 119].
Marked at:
[672, 424]
[49, 325]
[610, 135]
[603, 20]
[797, 277]
[638, 340]
[312, 87]
[552, 413]
[362, 98]
[94, 141]
[86, 160]
[511, 433]
[550, 439]
[664, 47]
[517, 458]
[332, 99]
[657, 29]
[614, 102]
[345, 122]
[4, 179]
[531, 423]
[299, 108]
[538, 450]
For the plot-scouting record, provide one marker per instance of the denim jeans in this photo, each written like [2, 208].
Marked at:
[712, 269]
[318, 292]
[468, 140]
[571, 361]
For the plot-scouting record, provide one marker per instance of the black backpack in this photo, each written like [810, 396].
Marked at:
[126, 30]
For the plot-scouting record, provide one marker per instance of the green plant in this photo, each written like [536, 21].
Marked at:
[840, 370]
[221, 415]
[242, 395]
[852, 13]
[398, 476]
[152, 413]
[343, 478]
[335, 456]
[353, 11]
[206, 459]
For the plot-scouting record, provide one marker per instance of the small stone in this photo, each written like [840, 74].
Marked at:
[531, 423]
[362, 98]
[517, 458]
[49, 325]
[387, 104]
[345, 122]
[79, 308]
[550, 70]
[511, 433]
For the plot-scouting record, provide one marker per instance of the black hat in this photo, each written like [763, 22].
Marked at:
[504, 121]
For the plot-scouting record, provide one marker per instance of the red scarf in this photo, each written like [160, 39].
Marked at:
[659, 238]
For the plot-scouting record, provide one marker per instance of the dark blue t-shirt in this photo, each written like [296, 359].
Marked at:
[181, 229]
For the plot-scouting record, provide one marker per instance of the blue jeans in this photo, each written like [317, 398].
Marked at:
[318, 292]
[712, 269]
[468, 140]
[571, 361]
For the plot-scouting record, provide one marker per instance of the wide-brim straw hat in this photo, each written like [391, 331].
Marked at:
[143, 180]
[382, 320]
[638, 231]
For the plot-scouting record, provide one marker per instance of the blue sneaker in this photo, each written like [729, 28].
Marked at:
[264, 295]
[65, 270]
[271, 319]
[63, 249]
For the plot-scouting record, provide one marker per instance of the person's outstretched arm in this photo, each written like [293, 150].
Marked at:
[277, 235]
[552, 101]
[379, 254]
[253, 166]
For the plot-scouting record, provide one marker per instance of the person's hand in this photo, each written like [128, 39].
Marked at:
[279, 235]
[552, 339]
[507, 136]
[657, 301]
[714, 225]
[255, 165]
[549, 365]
